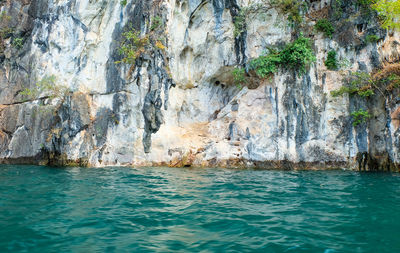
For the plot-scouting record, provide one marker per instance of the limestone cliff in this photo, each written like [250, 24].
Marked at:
[68, 97]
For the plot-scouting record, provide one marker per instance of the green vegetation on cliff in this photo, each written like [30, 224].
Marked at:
[365, 85]
[266, 64]
[297, 56]
[47, 87]
[323, 25]
[134, 43]
[5, 30]
[291, 8]
[389, 12]
[132, 46]
[360, 116]
[331, 61]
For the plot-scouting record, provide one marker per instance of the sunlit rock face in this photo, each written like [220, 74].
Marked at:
[179, 106]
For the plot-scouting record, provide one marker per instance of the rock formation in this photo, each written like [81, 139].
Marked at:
[68, 97]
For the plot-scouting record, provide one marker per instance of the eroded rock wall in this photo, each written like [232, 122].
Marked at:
[178, 105]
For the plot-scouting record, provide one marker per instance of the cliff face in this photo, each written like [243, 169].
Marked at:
[66, 99]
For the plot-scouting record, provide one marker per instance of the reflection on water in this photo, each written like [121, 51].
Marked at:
[197, 210]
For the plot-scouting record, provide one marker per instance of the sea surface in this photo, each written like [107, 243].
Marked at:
[45, 209]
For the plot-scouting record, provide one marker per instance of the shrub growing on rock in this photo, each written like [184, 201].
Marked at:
[298, 55]
[48, 87]
[5, 30]
[360, 116]
[239, 76]
[266, 64]
[357, 83]
[389, 12]
[331, 61]
[156, 23]
[132, 46]
[18, 43]
[323, 25]
[290, 7]
[372, 38]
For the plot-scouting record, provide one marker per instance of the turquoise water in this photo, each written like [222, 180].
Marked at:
[197, 210]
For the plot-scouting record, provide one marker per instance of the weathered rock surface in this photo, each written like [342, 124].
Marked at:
[179, 106]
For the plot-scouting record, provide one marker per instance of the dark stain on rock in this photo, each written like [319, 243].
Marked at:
[153, 117]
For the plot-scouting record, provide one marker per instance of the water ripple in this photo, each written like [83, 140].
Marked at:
[197, 210]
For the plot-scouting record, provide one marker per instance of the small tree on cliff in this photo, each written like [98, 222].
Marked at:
[389, 12]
